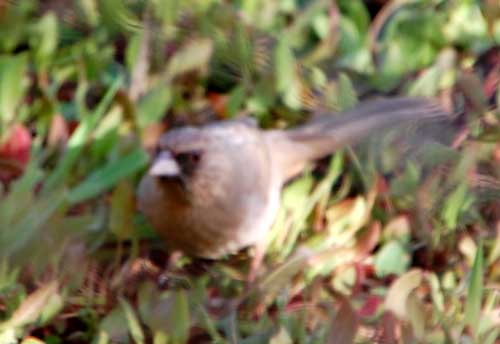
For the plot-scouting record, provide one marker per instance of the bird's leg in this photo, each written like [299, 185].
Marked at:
[258, 258]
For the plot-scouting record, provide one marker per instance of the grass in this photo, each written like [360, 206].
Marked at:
[382, 242]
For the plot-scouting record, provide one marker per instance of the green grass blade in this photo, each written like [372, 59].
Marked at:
[133, 323]
[109, 175]
[475, 293]
[79, 137]
[35, 217]
[12, 85]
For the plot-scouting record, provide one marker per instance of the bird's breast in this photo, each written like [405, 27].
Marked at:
[208, 227]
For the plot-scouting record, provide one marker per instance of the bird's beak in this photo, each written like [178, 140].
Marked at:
[165, 165]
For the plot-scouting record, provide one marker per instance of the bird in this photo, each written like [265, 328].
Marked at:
[214, 189]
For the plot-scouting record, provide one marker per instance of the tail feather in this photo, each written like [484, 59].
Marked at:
[327, 133]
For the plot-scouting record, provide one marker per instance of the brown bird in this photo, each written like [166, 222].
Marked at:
[215, 189]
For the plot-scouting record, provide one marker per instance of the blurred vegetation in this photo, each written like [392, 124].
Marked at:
[375, 245]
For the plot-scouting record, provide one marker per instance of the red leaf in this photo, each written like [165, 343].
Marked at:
[370, 306]
[17, 146]
[345, 324]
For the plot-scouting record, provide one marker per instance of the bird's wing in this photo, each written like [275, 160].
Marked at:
[295, 147]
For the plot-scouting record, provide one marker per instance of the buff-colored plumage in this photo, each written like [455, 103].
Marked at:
[216, 189]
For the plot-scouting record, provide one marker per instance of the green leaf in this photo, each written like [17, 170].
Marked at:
[409, 38]
[111, 327]
[287, 81]
[296, 193]
[491, 337]
[263, 97]
[192, 56]
[13, 85]
[35, 217]
[295, 198]
[167, 11]
[132, 52]
[21, 193]
[352, 48]
[475, 288]
[298, 203]
[454, 205]
[321, 25]
[356, 11]
[466, 25]
[118, 16]
[170, 317]
[285, 64]
[408, 182]
[79, 138]
[392, 258]
[53, 307]
[179, 318]
[347, 97]
[8, 275]
[160, 338]
[235, 101]
[427, 84]
[106, 136]
[304, 17]
[437, 295]
[108, 175]
[134, 326]
[153, 105]
[44, 39]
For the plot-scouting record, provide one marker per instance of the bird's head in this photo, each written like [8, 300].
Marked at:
[179, 156]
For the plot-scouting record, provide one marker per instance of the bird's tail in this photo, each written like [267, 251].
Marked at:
[329, 132]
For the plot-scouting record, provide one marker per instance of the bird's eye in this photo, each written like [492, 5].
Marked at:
[191, 158]
[194, 157]
[188, 161]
